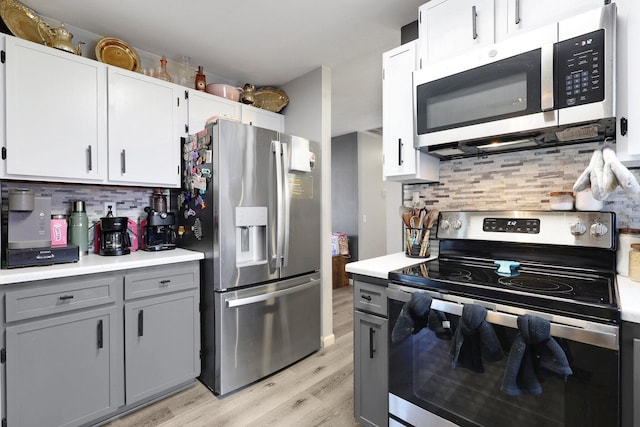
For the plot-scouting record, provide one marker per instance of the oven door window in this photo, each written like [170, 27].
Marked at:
[503, 89]
[421, 372]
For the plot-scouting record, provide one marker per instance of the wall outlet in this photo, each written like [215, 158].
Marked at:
[113, 208]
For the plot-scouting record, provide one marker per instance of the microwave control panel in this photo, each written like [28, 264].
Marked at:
[579, 70]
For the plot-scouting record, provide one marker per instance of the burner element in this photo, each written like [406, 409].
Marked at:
[537, 284]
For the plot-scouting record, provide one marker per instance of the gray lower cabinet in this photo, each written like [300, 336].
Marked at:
[161, 348]
[370, 353]
[62, 351]
[161, 329]
[80, 350]
[58, 371]
[630, 382]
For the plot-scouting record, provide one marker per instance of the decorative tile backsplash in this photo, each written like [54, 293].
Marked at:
[130, 201]
[518, 181]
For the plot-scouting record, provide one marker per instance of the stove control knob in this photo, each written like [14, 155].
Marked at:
[578, 229]
[598, 229]
[457, 224]
[445, 224]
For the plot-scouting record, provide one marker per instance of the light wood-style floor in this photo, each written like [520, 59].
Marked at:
[317, 391]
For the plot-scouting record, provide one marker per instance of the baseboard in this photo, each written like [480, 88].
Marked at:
[328, 340]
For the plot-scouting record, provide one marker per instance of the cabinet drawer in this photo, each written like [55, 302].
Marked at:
[159, 281]
[370, 297]
[59, 296]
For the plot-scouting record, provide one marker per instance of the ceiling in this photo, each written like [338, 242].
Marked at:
[261, 42]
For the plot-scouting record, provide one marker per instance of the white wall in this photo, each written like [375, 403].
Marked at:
[309, 115]
[372, 212]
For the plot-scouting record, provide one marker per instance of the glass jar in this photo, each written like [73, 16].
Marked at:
[162, 72]
[561, 200]
[626, 237]
[634, 262]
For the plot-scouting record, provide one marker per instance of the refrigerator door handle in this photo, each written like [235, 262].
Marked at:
[286, 204]
[277, 150]
[264, 297]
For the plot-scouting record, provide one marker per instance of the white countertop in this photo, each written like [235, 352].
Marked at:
[98, 264]
[629, 299]
[381, 266]
[628, 290]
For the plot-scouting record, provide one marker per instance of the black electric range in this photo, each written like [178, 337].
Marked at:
[557, 262]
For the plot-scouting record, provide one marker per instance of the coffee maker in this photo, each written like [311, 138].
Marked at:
[114, 238]
[159, 232]
[27, 232]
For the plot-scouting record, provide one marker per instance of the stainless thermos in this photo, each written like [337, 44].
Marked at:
[79, 227]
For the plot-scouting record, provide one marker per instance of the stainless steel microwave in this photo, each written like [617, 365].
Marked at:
[554, 84]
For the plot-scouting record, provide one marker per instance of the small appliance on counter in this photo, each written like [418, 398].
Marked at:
[158, 230]
[28, 233]
[112, 235]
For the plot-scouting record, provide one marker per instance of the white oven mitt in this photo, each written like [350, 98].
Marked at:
[604, 174]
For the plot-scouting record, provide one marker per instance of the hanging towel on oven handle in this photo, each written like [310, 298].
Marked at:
[414, 316]
[533, 347]
[474, 339]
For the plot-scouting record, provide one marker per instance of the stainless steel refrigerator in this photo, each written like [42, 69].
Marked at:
[250, 200]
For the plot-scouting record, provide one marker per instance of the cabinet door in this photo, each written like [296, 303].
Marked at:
[525, 15]
[370, 370]
[627, 84]
[401, 161]
[450, 27]
[203, 106]
[162, 344]
[262, 118]
[146, 120]
[62, 371]
[56, 114]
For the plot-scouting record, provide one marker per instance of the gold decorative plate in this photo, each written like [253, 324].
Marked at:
[113, 51]
[270, 98]
[23, 22]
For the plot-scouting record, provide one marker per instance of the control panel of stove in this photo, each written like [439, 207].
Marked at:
[591, 229]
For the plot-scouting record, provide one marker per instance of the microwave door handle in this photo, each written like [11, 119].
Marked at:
[546, 77]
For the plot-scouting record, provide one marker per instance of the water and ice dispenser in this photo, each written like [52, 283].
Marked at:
[251, 236]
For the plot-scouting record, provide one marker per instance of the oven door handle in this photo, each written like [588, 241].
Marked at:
[597, 334]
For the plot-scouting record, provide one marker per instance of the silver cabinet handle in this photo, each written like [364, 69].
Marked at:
[400, 161]
[89, 160]
[474, 21]
[123, 162]
[517, 12]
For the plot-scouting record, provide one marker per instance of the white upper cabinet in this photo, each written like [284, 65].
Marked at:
[56, 117]
[448, 28]
[262, 118]
[627, 85]
[146, 119]
[402, 162]
[203, 106]
[516, 16]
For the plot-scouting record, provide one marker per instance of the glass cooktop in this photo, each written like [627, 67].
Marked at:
[562, 291]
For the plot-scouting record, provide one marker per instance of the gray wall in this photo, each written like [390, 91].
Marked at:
[372, 218]
[344, 188]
